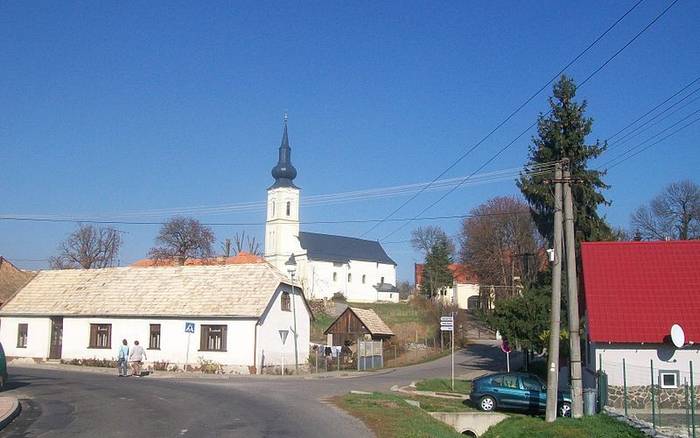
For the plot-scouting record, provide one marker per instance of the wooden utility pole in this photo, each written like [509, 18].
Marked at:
[553, 351]
[572, 282]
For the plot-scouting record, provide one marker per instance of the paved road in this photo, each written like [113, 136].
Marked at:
[59, 403]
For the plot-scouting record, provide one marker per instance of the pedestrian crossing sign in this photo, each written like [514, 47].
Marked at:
[189, 327]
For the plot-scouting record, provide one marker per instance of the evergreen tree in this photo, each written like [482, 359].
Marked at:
[436, 271]
[562, 134]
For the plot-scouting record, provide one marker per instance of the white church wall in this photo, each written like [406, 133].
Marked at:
[324, 279]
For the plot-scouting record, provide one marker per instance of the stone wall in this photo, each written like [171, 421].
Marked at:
[639, 397]
[322, 306]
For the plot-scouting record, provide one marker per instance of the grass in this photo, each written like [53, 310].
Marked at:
[320, 323]
[389, 416]
[445, 385]
[396, 313]
[597, 426]
[434, 404]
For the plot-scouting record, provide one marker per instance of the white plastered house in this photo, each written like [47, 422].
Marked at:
[236, 313]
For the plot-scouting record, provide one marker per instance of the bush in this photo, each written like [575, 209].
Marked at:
[339, 297]
[210, 367]
[102, 363]
[161, 366]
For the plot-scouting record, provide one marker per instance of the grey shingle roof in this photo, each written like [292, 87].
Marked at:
[342, 249]
[212, 291]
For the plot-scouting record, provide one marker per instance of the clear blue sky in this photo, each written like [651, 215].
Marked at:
[109, 107]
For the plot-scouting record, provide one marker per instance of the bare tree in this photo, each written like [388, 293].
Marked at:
[423, 239]
[88, 247]
[182, 238]
[500, 243]
[242, 242]
[673, 214]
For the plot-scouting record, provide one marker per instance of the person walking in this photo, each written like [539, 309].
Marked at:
[138, 355]
[122, 359]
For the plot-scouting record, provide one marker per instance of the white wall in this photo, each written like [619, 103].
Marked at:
[319, 284]
[464, 291]
[281, 230]
[38, 336]
[637, 361]
[269, 343]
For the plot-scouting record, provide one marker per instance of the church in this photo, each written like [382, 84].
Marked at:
[327, 265]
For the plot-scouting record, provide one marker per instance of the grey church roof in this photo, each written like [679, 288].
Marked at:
[342, 249]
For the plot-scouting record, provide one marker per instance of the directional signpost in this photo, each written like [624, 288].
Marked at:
[283, 336]
[447, 324]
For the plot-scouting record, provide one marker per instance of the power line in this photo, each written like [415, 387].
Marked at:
[500, 151]
[510, 116]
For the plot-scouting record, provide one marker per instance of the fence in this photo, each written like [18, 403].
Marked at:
[655, 396]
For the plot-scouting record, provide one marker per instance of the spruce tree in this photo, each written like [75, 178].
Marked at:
[562, 134]
[436, 271]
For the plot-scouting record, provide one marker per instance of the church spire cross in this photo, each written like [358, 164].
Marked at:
[284, 172]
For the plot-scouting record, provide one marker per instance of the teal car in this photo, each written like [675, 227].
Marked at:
[3, 368]
[517, 391]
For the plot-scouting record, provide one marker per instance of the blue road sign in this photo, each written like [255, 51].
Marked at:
[189, 327]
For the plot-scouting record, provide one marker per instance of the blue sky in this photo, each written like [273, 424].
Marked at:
[114, 107]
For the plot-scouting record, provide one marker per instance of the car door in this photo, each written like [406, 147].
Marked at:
[511, 394]
[535, 393]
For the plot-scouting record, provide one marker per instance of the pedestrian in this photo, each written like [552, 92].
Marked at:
[138, 355]
[122, 359]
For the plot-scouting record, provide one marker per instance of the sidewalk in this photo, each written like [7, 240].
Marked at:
[9, 409]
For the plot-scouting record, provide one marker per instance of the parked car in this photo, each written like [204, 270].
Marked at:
[3, 368]
[520, 391]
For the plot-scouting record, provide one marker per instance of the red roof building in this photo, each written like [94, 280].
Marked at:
[635, 291]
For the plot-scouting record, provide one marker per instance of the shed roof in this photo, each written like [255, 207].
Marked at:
[242, 290]
[368, 317]
[635, 291]
[328, 247]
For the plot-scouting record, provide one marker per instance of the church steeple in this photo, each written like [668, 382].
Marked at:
[284, 172]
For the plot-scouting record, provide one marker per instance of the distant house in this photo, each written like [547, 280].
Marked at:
[464, 291]
[634, 293]
[11, 279]
[355, 323]
[229, 314]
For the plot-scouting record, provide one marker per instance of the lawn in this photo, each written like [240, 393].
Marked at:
[320, 323]
[390, 416]
[434, 404]
[396, 313]
[597, 426]
[445, 385]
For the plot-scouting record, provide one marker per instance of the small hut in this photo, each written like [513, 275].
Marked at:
[354, 324]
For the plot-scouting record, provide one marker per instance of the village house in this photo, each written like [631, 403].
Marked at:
[358, 269]
[231, 315]
[634, 293]
[464, 291]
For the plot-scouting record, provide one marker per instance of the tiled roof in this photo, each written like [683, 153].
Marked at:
[460, 273]
[372, 321]
[209, 291]
[328, 247]
[635, 291]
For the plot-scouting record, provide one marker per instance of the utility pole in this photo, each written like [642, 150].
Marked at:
[572, 282]
[553, 351]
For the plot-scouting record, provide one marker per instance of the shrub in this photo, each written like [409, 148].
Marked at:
[210, 367]
[161, 366]
[339, 297]
[93, 362]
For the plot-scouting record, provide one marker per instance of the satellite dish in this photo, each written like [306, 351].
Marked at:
[677, 336]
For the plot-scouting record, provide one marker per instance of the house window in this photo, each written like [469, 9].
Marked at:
[391, 295]
[213, 338]
[100, 336]
[349, 278]
[22, 335]
[364, 277]
[286, 302]
[335, 276]
[668, 379]
[154, 337]
[289, 208]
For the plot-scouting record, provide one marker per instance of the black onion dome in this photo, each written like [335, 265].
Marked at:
[284, 172]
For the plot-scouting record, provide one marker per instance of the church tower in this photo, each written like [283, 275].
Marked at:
[282, 225]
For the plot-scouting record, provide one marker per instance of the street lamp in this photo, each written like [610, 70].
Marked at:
[291, 265]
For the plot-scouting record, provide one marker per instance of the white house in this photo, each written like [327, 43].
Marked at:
[327, 264]
[464, 291]
[235, 314]
[634, 293]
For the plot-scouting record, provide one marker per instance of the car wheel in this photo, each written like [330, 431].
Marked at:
[565, 409]
[487, 403]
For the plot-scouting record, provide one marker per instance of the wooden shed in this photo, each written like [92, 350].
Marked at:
[354, 324]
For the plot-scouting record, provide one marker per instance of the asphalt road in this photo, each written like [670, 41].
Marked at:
[59, 403]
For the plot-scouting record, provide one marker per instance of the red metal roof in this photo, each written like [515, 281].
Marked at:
[460, 273]
[635, 291]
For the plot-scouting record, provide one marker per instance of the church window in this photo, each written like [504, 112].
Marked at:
[364, 277]
[335, 276]
[349, 277]
[289, 208]
[286, 302]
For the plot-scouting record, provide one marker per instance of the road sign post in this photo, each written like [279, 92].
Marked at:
[505, 347]
[189, 329]
[283, 337]
[447, 325]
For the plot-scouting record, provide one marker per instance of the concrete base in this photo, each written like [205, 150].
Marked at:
[474, 423]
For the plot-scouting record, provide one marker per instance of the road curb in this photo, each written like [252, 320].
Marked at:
[12, 412]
